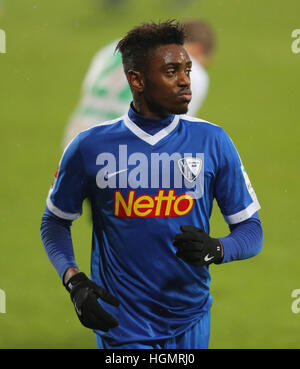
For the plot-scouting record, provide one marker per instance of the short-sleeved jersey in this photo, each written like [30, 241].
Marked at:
[142, 188]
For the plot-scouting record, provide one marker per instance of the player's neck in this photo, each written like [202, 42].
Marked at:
[143, 109]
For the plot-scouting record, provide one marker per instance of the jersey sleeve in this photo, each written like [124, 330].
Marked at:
[69, 187]
[233, 190]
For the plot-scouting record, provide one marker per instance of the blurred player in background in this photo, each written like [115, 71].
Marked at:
[106, 93]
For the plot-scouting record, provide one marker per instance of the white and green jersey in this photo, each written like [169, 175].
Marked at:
[106, 94]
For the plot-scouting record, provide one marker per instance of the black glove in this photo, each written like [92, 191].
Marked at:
[84, 294]
[196, 248]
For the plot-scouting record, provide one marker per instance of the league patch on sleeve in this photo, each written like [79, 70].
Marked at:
[248, 183]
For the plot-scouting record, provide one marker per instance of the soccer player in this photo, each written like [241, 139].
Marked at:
[106, 94]
[151, 177]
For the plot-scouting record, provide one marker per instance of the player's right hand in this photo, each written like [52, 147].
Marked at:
[84, 294]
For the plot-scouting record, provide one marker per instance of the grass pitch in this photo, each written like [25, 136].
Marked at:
[254, 95]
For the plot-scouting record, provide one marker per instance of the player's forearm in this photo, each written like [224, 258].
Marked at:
[57, 241]
[244, 241]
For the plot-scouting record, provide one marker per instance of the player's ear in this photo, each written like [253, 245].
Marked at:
[136, 80]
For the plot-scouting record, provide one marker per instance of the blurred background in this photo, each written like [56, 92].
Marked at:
[254, 94]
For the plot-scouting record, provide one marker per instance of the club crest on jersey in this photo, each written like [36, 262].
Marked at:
[190, 168]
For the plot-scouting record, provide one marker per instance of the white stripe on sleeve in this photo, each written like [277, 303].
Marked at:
[243, 214]
[59, 213]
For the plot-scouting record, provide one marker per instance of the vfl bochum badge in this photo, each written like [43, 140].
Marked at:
[190, 168]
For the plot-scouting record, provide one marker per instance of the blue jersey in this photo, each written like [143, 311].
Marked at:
[142, 186]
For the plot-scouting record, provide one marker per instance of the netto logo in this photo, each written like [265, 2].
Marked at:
[163, 204]
[2, 42]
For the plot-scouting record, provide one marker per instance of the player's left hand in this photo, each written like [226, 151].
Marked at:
[196, 247]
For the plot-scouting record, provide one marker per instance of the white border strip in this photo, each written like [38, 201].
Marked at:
[151, 139]
[243, 214]
[59, 213]
[198, 120]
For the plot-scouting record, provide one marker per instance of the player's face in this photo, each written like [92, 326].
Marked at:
[167, 80]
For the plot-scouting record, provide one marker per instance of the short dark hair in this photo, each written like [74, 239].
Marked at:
[135, 46]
